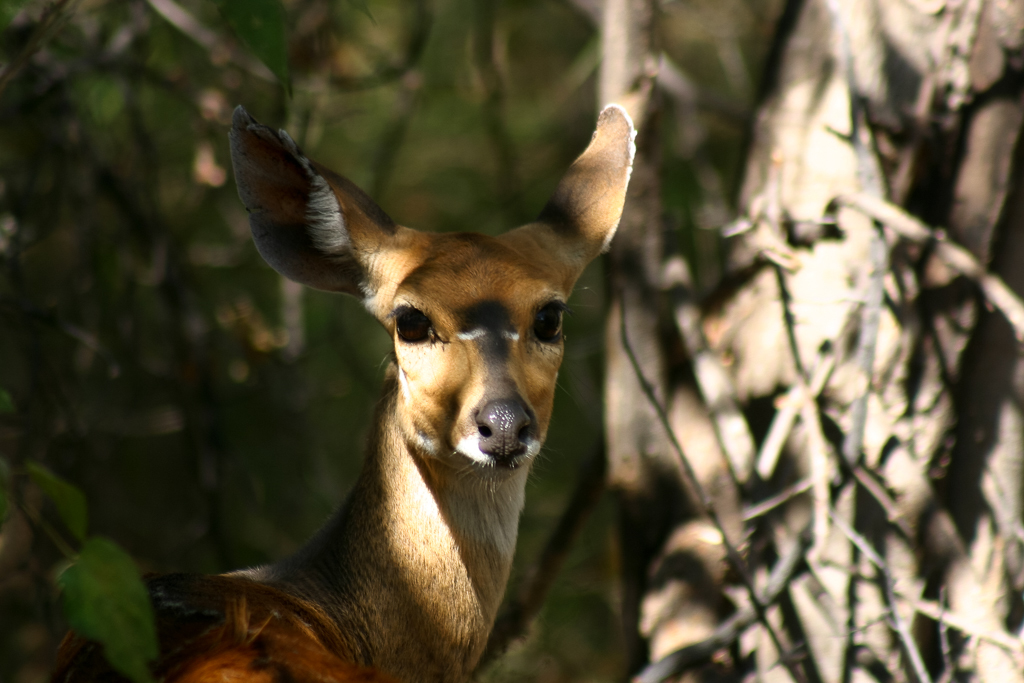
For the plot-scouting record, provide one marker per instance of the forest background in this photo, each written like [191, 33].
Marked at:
[803, 402]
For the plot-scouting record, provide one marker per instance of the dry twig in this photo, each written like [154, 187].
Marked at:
[900, 626]
[804, 394]
[82, 336]
[952, 254]
[716, 387]
[942, 615]
[819, 451]
[677, 662]
[871, 318]
[867, 479]
[51, 21]
[869, 175]
[785, 495]
[791, 404]
[707, 507]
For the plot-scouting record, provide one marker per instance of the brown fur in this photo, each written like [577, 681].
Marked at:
[408, 576]
[222, 628]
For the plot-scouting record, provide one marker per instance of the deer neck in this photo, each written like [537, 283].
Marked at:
[413, 567]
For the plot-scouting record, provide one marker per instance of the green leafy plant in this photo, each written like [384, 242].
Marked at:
[105, 600]
[68, 499]
[103, 595]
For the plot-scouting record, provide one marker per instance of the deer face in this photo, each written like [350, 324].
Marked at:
[477, 327]
[476, 320]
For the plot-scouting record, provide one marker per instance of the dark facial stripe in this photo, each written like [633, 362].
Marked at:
[488, 323]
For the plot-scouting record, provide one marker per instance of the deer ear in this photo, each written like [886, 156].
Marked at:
[311, 225]
[587, 204]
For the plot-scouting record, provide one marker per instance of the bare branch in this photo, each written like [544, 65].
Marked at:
[937, 612]
[882, 497]
[785, 417]
[785, 495]
[707, 506]
[84, 337]
[715, 385]
[804, 398]
[869, 175]
[677, 662]
[871, 318]
[819, 452]
[51, 21]
[897, 621]
[952, 254]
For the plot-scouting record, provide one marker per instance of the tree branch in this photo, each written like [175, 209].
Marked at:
[938, 613]
[785, 417]
[920, 670]
[952, 254]
[48, 25]
[716, 387]
[785, 495]
[677, 662]
[707, 506]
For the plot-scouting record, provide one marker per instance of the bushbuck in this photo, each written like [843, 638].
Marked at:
[403, 583]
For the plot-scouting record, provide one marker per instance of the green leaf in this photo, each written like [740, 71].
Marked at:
[70, 501]
[261, 24]
[363, 7]
[6, 402]
[8, 9]
[106, 601]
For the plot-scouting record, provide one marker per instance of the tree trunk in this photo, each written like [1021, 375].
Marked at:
[877, 370]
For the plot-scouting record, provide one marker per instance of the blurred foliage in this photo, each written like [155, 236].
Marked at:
[9, 8]
[106, 601]
[214, 414]
[67, 498]
[6, 402]
[261, 25]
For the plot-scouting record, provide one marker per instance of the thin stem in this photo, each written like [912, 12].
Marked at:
[47, 26]
[916, 661]
[677, 662]
[707, 507]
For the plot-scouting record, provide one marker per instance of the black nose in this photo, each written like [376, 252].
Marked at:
[504, 426]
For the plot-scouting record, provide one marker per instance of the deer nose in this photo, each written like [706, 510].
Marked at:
[505, 426]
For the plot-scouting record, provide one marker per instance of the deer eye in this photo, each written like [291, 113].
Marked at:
[412, 325]
[547, 324]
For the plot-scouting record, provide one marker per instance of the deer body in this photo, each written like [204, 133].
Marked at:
[405, 580]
